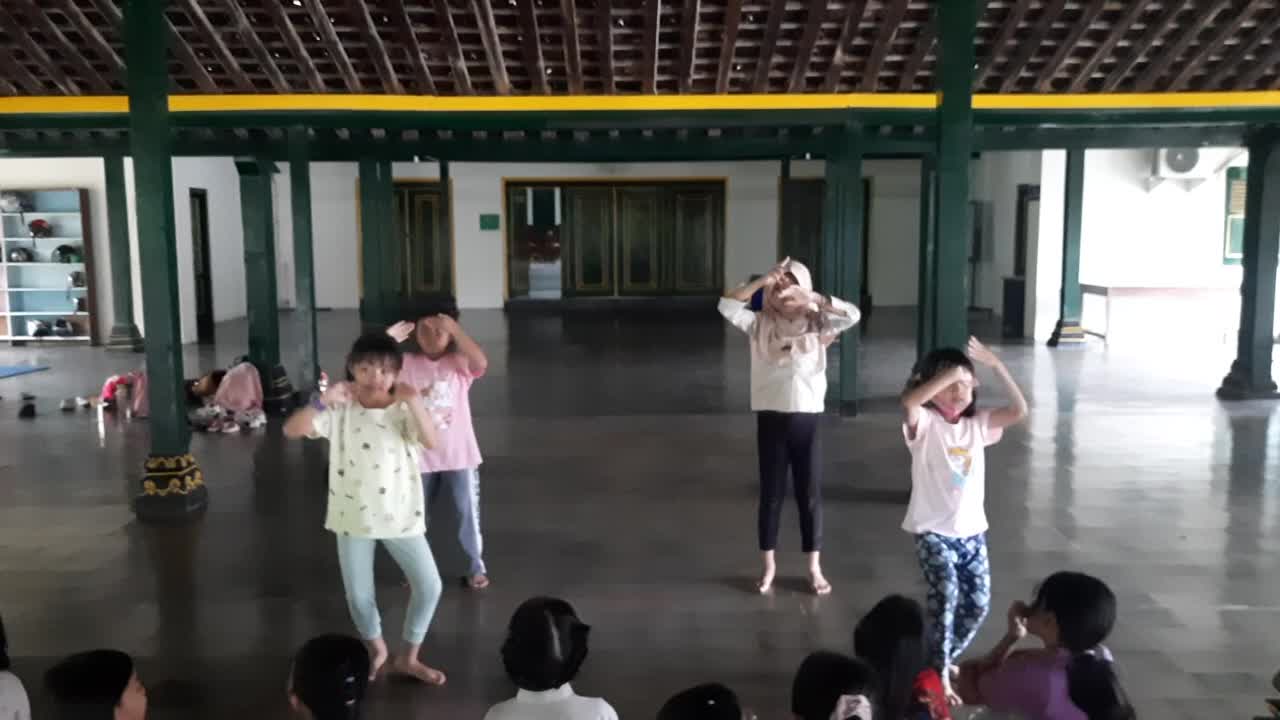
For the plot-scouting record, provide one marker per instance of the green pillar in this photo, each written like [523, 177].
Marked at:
[257, 214]
[376, 227]
[1070, 299]
[832, 227]
[925, 308]
[957, 24]
[850, 280]
[1250, 375]
[173, 484]
[303, 257]
[124, 332]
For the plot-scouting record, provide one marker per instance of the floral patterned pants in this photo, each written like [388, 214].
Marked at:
[959, 578]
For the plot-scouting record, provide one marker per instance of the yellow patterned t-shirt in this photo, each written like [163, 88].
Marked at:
[375, 490]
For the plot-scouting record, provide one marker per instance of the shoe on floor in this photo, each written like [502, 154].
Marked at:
[28, 411]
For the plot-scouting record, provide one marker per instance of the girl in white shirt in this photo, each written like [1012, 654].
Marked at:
[546, 645]
[789, 339]
[947, 436]
[13, 697]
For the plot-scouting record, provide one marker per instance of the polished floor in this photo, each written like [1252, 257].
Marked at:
[620, 475]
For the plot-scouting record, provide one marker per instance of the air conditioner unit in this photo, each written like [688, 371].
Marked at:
[1185, 166]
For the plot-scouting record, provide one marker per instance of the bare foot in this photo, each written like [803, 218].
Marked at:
[412, 667]
[818, 583]
[479, 581]
[377, 656]
[765, 584]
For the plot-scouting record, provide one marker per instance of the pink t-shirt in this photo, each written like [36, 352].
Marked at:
[446, 383]
[948, 474]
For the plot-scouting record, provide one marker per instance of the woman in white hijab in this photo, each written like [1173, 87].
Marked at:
[789, 338]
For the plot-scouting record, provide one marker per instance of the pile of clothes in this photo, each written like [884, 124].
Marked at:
[227, 401]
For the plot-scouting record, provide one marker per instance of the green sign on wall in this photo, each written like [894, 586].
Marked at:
[490, 221]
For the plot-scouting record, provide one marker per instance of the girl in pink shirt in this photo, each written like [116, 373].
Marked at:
[1072, 676]
[443, 369]
[947, 436]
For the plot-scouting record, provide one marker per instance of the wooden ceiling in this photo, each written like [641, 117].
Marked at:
[594, 47]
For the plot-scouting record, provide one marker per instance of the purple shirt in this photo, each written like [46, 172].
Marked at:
[1032, 684]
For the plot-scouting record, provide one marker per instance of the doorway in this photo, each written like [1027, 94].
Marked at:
[201, 260]
[425, 252]
[615, 239]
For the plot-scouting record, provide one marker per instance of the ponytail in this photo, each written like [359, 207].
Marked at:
[1093, 687]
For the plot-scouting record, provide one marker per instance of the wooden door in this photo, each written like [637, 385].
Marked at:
[517, 252]
[202, 266]
[588, 236]
[697, 240]
[800, 231]
[639, 233]
[424, 263]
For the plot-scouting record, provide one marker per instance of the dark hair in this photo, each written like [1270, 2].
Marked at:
[330, 676]
[5, 664]
[890, 638]
[375, 347]
[89, 685]
[823, 678]
[711, 701]
[546, 644]
[1085, 611]
[938, 361]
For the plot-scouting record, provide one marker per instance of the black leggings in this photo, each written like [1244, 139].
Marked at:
[790, 440]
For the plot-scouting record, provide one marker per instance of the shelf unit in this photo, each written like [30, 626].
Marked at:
[42, 290]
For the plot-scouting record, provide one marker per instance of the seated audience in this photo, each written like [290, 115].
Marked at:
[329, 678]
[891, 640]
[712, 701]
[96, 685]
[13, 697]
[831, 686]
[546, 645]
[1071, 677]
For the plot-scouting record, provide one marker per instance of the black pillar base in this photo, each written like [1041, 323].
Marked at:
[277, 392]
[1068, 333]
[173, 489]
[1237, 385]
[125, 337]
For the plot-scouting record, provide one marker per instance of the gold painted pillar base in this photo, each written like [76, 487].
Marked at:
[173, 489]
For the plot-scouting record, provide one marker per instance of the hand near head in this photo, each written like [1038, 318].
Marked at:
[774, 276]
[401, 331]
[338, 393]
[447, 323]
[981, 354]
[1018, 613]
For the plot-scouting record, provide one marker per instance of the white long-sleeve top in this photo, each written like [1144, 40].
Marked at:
[799, 386]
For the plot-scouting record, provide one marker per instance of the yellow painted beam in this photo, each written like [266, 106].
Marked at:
[1128, 101]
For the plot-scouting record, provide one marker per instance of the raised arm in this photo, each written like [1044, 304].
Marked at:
[1016, 410]
[914, 400]
[477, 361]
[421, 424]
[301, 424]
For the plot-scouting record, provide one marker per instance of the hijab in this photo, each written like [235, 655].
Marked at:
[783, 334]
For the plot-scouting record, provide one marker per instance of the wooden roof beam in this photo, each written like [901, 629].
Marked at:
[1032, 43]
[1044, 83]
[925, 41]
[1232, 63]
[72, 10]
[892, 20]
[181, 50]
[28, 44]
[283, 25]
[1260, 65]
[377, 49]
[572, 46]
[483, 11]
[532, 43]
[816, 13]
[1008, 27]
[249, 37]
[21, 76]
[604, 30]
[1215, 43]
[320, 18]
[1103, 51]
[1153, 32]
[409, 36]
[728, 42]
[765, 62]
[214, 38]
[649, 50]
[688, 43]
[852, 19]
[453, 48]
[1173, 49]
[66, 49]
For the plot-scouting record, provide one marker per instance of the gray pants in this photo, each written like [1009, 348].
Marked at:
[463, 487]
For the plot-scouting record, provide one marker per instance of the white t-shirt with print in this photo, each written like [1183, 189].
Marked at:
[375, 490]
[561, 703]
[948, 474]
[13, 698]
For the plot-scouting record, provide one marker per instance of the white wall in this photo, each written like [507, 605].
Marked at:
[996, 179]
[1044, 260]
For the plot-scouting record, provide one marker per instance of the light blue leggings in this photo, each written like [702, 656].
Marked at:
[413, 555]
